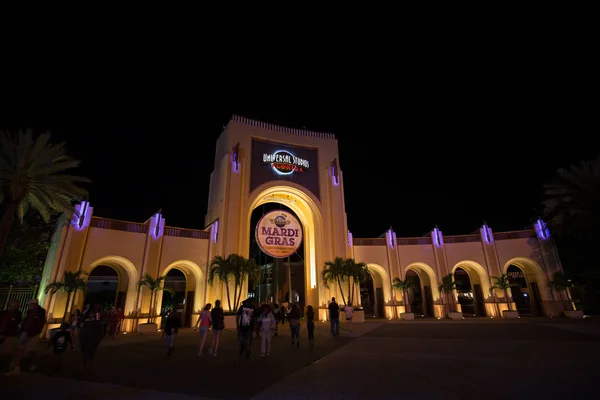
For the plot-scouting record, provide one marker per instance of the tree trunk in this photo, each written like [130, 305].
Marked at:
[506, 298]
[405, 298]
[349, 292]
[8, 216]
[341, 291]
[228, 296]
[67, 306]
[235, 293]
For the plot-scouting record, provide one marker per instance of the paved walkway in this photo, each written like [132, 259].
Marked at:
[476, 358]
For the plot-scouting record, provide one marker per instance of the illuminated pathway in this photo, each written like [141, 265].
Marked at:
[488, 359]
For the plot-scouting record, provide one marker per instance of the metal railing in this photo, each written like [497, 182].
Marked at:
[20, 294]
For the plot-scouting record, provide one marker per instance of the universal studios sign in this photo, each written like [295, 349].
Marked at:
[278, 234]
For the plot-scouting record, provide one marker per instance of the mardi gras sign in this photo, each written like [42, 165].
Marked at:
[278, 234]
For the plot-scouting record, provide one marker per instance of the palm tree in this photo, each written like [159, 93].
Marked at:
[358, 273]
[404, 286]
[560, 282]
[503, 283]
[249, 271]
[221, 268]
[71, 283]
[33, 175]
[155, 285]
[335, 271]
[448, 286]
[572, 201]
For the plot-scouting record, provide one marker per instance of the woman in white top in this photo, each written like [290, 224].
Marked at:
[349, 311]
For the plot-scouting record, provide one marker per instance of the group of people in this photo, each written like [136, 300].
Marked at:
[19, 335]
[252, 322]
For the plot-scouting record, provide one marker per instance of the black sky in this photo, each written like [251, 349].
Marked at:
[427, 165]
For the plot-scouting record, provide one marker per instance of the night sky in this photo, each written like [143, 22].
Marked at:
[445, 164]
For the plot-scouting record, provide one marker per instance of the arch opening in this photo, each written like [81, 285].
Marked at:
[473, 295]
[306, 208]
[106, 287]
[127, 277]
[185, 278]
[425, 289]
[376, 293]
[527, 275]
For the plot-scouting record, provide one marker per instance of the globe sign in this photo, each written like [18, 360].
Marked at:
[278, 234]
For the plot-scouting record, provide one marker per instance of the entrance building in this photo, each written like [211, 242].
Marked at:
[259, 164]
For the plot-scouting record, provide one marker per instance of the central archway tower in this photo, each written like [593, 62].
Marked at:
[258, 163]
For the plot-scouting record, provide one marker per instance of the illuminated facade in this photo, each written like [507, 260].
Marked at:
[258, 163]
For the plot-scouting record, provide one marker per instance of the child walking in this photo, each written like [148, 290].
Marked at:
[267, 325]
[171, 329]
[59, 343]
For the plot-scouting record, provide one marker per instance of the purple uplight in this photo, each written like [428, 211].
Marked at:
[156, 225]
[215, 231]
[80, 219]
[437, 237]
[542, 230]
[350, 242]
[486, 234]
[391, 238]
[334, 178]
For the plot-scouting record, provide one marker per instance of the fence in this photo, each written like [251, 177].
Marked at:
[20, 294]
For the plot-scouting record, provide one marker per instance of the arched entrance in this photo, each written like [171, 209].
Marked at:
[175, 280]
[375, 293]
[184, 277]
[526, 294]
[127, 286]
[424, 292]
[465, 293]
[306, 207]
[277, 275]
[103, 288]
[476, 291]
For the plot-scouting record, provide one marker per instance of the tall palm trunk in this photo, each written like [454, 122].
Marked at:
[406, 300]
[228, 295]
[341, 291]
[8, 216]
[239, 298]
[506, 298]
[235, 294]
[349, 291]
[67, 306]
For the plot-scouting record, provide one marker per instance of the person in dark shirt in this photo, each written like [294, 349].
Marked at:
[310, 325]
[171, 329]
[334, 317]
[246, 321]
[59, 342]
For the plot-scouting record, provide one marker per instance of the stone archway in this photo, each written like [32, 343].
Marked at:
[429, 286]
[128, 278]
[382, 289]
[308, 210]
[480, 284]
[536, 279]
[193, 284]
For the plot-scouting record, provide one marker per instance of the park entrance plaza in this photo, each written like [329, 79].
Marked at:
[261, 168]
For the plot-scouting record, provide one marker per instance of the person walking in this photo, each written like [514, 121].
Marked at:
[334, 317]
[171, 330]
[310, 325]
[294, 321]
[267, 325]
[349, 310]
[218, 321]
[29, 334]
[59, 343]
[246, 320]
[205, 321]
